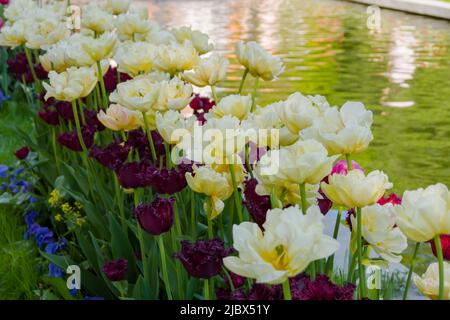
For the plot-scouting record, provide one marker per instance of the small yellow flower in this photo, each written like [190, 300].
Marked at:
[53, 200]
[66, 208]
[58, 217]
[78, 205]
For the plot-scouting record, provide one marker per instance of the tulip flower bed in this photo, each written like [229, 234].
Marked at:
[140, 188]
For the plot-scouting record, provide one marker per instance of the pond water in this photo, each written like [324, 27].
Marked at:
[401, 70]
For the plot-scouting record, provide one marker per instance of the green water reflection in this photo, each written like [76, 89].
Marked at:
[402, 72]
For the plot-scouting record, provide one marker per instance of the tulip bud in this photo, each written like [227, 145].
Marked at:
[115, 270]
[156, 217]
[22, 153]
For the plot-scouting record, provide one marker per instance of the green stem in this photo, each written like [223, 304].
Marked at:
[33, 72]
[193, 216]
[102, 84]
[164, 266]
[141, 242]
[255, 91]
[241, 85]
[236, 194]
[77, 125]
[359, 249]
[303, 197]
[349, 162]
[438, 245]
[120, 204]
[287, 290]
[330, 261]
[149, 136]
[210, 228]
[206, 288]
[55, 151]
[168, 160]
[214, 94]
[247, 159]
[351, 269]
[411, 268]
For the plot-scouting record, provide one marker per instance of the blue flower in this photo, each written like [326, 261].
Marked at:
[30, 217]
[54, 247]
[3, 171]
[73, 292]
[32, 199]
[31, 230]
[43, 235]
[19, 170]
[54, 271]
[2, 97]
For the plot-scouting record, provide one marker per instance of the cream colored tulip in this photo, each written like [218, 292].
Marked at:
[210, 71]
[267, 118]
[13, 35]
[344, 131]
[19, 9]
[160, 37]
[55, 58]
[138, 94]
[117, 7]
[170, 121]
[258, 61]
[96, 19]
[234, 105]
[424, 213]
[135, 58]
[428, 283]
[304, 162]
[356, 189]
[298, 112]
[213, 184]
[289, 243]
[133, 27]
[380, 231]
[87, 51]
[119, 118]
[174, 94]
[174, 58]
[199, 40]
[72, 84]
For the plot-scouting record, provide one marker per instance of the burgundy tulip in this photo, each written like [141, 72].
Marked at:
[130, 174]
[49, 116]
[261, 291]
[156, 217]
[70, 139]
[113, 156]
[110, 79]
[321, 288]
[445, 244]
[115, 270]
[227, 294]
[256, 205]
[324, 203]
[22, 153]
[167, 181]
[203, 259]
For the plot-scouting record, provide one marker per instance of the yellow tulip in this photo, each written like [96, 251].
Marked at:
[174, 57]
[198, 39]
[174, 94]
[213, 184]
[234, 105]
[96, 19]
[428, 283]
[356, 189]
[117, 7]
[258, 61]
[118, 118]
[210, 71]
[13, 35]
[135, 58]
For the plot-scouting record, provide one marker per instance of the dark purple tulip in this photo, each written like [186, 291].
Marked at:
[70, 139]
[201, 106]
[256, 205]
[321, 288]
[92, 120]
[64, 109]
[261, 291]
[49, 116]
[138, 140]
[22, 153]
[41, 74]
[110, 79]
[113, 156]
[167, 181]
[227, 294]
[203, 259]
[130, 174]
[115, 270]
[156, 217]
[348, 220]
[324, 203]
[18, 65]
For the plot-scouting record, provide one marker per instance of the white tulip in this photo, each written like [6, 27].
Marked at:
[428, 283]
[209, 71]
[344, 131]
[379, 230]
[424, 213]
[290, 242]
[199, 40]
